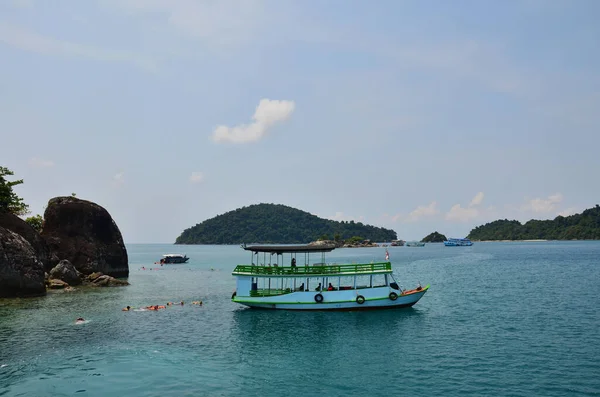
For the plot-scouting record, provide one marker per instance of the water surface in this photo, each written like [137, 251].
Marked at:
[504, 319]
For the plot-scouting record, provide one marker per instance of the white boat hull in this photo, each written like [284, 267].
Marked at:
[374, 298]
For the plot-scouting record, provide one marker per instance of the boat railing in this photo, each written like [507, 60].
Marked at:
[314, 270]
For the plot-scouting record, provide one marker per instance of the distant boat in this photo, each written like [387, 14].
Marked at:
[397, 243]
[415, 244]
[458, 242]
[174, 258]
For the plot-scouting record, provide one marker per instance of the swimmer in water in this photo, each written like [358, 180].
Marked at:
[79, 320]
[126, 309]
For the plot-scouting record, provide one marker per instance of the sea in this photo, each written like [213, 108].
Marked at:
[500, 319]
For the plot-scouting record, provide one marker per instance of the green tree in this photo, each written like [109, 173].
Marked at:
[35, 222]
[9, 201]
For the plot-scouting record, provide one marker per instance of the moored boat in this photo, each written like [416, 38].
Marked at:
[174, 258]
[397, 243]
[458, 242]
[317, 285]
[415, 244]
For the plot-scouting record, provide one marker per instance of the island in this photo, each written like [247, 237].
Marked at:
[583, 226]
[278, 224]
[434, 237]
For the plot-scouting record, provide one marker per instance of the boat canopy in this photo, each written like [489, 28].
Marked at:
[281, 249]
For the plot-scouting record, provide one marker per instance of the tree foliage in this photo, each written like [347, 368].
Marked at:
[434, 237]
[9, 201]
[35, 222]
[276, 224]
[584, 226]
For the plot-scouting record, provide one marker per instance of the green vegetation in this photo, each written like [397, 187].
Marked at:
[35, 222]
[276, 224]
[434, 237]
[9, 201]
[584, 226]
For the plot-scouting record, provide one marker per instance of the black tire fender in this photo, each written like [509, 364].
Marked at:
[393, 296]
[318, 298]
[360, 299]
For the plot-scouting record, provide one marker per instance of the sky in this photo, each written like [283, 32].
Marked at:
[417, 116]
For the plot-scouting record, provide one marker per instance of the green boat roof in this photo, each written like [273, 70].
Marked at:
[348, 269]
[281, 249]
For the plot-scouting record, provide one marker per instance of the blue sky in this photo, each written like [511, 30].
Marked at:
[413, 115]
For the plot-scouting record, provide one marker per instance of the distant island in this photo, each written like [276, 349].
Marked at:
[434, 237]
[584, 226]
[278, 224]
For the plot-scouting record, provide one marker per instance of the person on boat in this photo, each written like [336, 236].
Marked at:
[330, 287]
[293, 262]
[318, 287]
[301, 287]
[126, 309]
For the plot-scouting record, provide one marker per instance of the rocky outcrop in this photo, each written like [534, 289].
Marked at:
[66, 272]
[22, 228]
[21, 272]
[108, 281]
[85, 234]
[332, 243]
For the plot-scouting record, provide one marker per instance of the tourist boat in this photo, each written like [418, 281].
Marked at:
[458, 242]
[316, 285]
[174, 258]
[415, 244]
[397, 243]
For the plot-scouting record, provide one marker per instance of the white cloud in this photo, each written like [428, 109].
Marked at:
[196, 177]
[423, 211]
[119, 179]
[218, 21]
[27, 40]
[476, 200]
[567, 212]
[543, 205]
[460, 214]
[40, 163]
[268, 113]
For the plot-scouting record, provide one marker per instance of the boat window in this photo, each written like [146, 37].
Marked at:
[313, 283]
[346, 282]
[332, 283]
[363, 282]
[379, 280]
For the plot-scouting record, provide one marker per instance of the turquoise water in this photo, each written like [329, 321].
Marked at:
[503, 319]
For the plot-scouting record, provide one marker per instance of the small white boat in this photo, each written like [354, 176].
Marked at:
[316, 285]
[415, 244]
[174, 258]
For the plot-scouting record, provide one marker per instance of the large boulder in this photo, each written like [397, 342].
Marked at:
[22, 228]
[66, 272]
[21, 272]
[85, 234]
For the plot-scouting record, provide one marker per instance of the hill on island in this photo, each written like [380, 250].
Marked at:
[276, 224]
[584, 226]
[434, 237]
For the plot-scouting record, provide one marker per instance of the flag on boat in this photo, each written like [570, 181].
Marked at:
[387, 255]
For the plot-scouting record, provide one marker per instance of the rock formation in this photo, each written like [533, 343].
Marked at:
[85, 234]
[21, 272]
[66, 272]
[22, 228]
